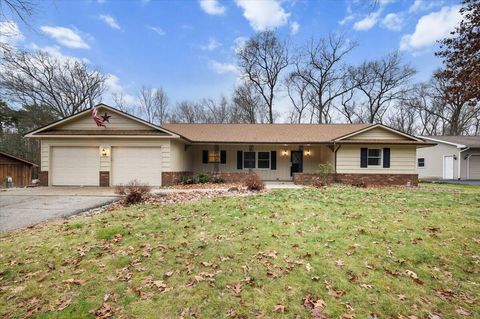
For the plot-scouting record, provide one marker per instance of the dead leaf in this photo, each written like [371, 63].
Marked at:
[332, 292]
[237, 288]
[462, 311]
[64, 302]
[280, 309]
[168, 273]
[104, 312]
[78, 282]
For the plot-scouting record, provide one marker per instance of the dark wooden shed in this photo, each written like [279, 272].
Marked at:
[19, 169]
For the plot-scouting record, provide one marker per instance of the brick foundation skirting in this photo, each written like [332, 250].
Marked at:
[366, 179]
[43, 178]
[104, 179]
[173, 178]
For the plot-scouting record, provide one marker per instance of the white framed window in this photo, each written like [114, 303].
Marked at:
[421, 162]
[248, 159]
[263, 159]
[374, 157]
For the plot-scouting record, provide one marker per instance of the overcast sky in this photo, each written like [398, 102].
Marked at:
[187, 47]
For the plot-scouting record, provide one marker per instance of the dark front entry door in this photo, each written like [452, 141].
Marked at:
[297, 162]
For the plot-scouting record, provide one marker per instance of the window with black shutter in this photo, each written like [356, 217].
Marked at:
[204, 156]
[223, 157]
[273, 160]
[363, 157]
[386, 158]
[239, 159]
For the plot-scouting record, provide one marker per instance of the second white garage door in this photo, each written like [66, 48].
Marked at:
[474, 167]
[141, 163]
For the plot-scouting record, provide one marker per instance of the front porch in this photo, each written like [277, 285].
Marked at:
[272, 162]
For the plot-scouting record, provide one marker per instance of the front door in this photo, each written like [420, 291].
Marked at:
[448, 167]
[296, 159]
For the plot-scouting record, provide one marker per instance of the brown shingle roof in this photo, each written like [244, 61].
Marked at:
[263, 133]
[469, 141]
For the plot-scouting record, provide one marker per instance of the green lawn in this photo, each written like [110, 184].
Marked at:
[322, 253]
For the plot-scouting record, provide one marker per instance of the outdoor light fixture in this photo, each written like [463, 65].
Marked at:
[308, 152]
[284, 152]
[104, 152]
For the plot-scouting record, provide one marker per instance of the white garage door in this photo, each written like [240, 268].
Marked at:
[474, 167]
[141, 163]
[75, 166]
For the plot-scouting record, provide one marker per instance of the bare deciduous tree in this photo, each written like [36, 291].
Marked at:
[261, 60]
[320, 65]
[37, 78]
[188, 112]
[299, 95]
[382, 82]
[453, 108]
[154, 104]
[249, 106]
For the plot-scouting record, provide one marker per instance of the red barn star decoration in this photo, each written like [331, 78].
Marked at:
[105, 117]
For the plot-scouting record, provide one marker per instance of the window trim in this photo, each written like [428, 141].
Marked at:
[418, 164]
[380, 158]
[269, 159]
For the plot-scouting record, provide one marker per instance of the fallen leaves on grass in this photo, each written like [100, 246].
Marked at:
[316, 306]
[103, 312]
[332, 292]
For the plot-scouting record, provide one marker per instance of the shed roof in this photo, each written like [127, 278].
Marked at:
[17, 158]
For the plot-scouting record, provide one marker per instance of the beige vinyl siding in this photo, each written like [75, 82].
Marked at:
[402, 160]
[181, 156]
[434, 161]
[319, 153]
[105, 164]
[378, 133]
[117, 122]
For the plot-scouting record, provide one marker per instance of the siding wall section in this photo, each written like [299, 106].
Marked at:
[319, 154]
[402, 160]
[434, 161]
[117, 122]
[377, 134]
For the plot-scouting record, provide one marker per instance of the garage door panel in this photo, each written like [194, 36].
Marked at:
[75, 166]
[474, 167]
[143, 164]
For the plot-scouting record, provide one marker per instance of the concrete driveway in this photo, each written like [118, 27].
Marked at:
[23, 207]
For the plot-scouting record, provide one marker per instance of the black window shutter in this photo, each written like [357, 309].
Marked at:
[386, 158]
[273, 160]
[204, 157]
[363, 157]
[239, 159]
[223, 157]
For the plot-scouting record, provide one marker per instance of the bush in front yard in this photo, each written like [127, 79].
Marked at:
[324, 171]
[134, 192]
[253, 182]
